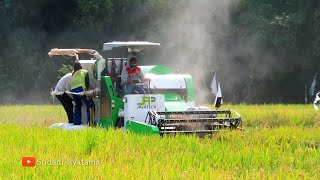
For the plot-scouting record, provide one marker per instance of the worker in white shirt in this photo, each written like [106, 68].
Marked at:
[66, 101]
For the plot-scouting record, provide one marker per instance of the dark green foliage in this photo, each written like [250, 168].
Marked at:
[65, 69]
[268, 52]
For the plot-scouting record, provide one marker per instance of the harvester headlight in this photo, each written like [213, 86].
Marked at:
[112, 104]
[133, 50]
[124, 99]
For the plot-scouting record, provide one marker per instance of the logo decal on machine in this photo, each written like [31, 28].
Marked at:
[147, 102]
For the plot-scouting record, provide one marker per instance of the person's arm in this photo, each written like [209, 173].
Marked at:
[59, 85]
[87, 81]
[56, 88]
[67, 84]
[142, 78]
[125, 77]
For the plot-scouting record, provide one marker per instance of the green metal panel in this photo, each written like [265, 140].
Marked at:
[190, 88]
[176, 106]
[141, 128]
[106, 123]
[113, 103]
[159, 69]
[172, 97]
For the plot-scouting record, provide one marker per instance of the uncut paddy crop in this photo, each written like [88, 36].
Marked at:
[266, 149]
[277, 115]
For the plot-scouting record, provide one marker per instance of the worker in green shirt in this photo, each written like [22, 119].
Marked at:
[79, 83]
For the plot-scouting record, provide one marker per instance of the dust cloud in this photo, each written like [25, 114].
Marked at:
[190, 40]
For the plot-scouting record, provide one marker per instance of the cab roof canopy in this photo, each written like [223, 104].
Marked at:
[133, 46]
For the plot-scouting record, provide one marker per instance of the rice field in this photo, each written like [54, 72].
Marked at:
[278, 142]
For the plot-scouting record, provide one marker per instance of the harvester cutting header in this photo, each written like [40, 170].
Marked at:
[159, 101]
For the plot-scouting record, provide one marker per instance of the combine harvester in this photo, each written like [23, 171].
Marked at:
[167, 108]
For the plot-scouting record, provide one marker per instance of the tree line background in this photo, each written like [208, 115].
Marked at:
[263, 51]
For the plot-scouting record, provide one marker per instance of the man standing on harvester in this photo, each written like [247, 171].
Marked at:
[79, 83]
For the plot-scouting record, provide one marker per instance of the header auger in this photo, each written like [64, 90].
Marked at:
[198, 122]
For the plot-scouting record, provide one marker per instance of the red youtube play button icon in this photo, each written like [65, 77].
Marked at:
[28, 161]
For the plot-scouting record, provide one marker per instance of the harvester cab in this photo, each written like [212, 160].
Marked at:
[168, 107]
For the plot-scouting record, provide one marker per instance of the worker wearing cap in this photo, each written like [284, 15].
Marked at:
[66, 101]
[130, 76]
[80, 83]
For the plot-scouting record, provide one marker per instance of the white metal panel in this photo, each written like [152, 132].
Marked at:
[88, 65]
[167, 82]
[137, 106]
[133, 44]
[68, 126]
